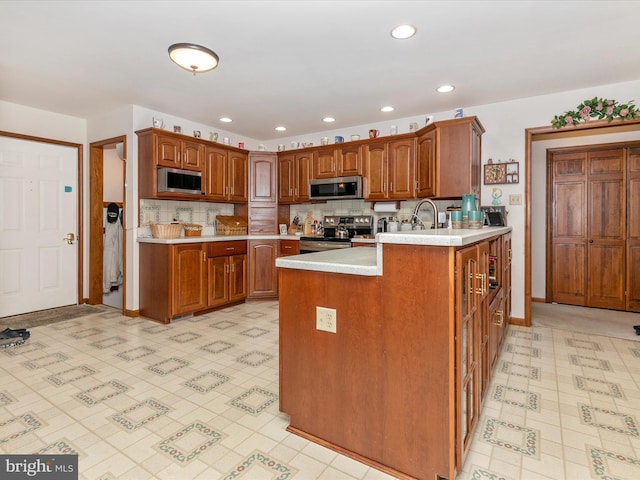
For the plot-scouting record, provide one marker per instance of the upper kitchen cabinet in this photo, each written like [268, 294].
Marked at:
[389, 169]
[226, 175]
[334, 161]
[175, 152]
[449, 158]
[294, 174]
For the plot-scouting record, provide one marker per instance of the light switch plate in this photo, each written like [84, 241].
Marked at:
[515, 199]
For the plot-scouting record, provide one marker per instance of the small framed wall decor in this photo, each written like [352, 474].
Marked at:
[283, 229]
[501, 173]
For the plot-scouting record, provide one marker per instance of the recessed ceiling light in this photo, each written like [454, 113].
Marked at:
[387, 109]
[403, 31]
[445, 88]
[226, 120]
[281, 129]
[328, 119]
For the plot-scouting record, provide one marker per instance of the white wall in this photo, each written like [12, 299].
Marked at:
[505, 125]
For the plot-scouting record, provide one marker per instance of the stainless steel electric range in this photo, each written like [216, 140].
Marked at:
[338, 232]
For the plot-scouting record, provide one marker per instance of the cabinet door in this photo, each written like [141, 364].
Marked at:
[350, 161]
[168, 152]
[217, 281]
[237, 277]
[375, 168]
[402, 162]
[188, 278]
[426, 165]
[263, 275]
[496, 319]
[237, 179]
[215, 173]
[325, 163]
[289, 247]
[286, 178]
[476, 155]
[506, 279]
[304, 168]
[192, 156]
[468, 311]
[262, 177]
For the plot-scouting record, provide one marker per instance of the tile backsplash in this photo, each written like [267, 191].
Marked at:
[202, 213]
[167, 211]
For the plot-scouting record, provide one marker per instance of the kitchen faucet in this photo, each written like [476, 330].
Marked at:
[435, 212]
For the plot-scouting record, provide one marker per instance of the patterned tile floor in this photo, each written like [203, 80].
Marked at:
[198, 399]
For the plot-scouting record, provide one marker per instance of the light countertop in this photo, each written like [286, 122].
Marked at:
[368, 260]
[214, 238]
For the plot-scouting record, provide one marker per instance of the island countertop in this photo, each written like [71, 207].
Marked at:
[367, 261]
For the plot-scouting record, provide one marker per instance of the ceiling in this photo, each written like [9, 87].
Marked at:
[292, 63]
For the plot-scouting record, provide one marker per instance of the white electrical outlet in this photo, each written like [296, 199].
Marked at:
[326, 319]
[515, 199]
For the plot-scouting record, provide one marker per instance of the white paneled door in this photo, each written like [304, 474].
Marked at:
[38, 213]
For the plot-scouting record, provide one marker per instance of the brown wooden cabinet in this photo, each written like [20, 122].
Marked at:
[226, 175]
[294, 173]
[187, 278]
[389, 169]
[263, 276]
[449, 158]
[472, 341]
[289, 247]
[224, 169]
[338, 161]
[172, 280]
[226, 272]
[177, 152]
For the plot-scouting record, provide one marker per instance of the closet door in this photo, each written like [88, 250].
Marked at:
[588, 240]
[633, 231]
[567, 265]
[606, 231]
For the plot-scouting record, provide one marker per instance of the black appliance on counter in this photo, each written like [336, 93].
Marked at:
[338, 232]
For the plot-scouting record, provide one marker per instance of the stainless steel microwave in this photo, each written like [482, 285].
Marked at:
[175, 180]
[340, 188]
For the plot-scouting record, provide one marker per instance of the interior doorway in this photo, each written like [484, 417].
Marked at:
[541, 134]
[107, 160]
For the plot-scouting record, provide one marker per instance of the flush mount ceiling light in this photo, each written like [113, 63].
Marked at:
[225, 119]
[328, 119]
[281, 129]
[445, 88]
[387, 109]
[192, 57]
[403, 31]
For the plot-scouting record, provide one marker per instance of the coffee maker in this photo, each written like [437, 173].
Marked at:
[382, 224]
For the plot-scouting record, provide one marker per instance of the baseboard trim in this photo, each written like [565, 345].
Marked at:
[538, 300]
[518, 321]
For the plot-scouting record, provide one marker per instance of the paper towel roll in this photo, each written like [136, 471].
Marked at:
[386, 207]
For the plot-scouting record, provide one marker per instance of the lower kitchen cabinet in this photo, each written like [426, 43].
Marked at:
[186, 278]
[172, 280]
[226, 272]
[263, 276]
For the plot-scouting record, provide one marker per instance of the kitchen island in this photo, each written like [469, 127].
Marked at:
[400, 383]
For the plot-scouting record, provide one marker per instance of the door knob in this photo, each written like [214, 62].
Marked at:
[70, 237]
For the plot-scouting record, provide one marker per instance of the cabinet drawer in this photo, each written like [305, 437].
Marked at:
[220, 249]
[289, 247]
